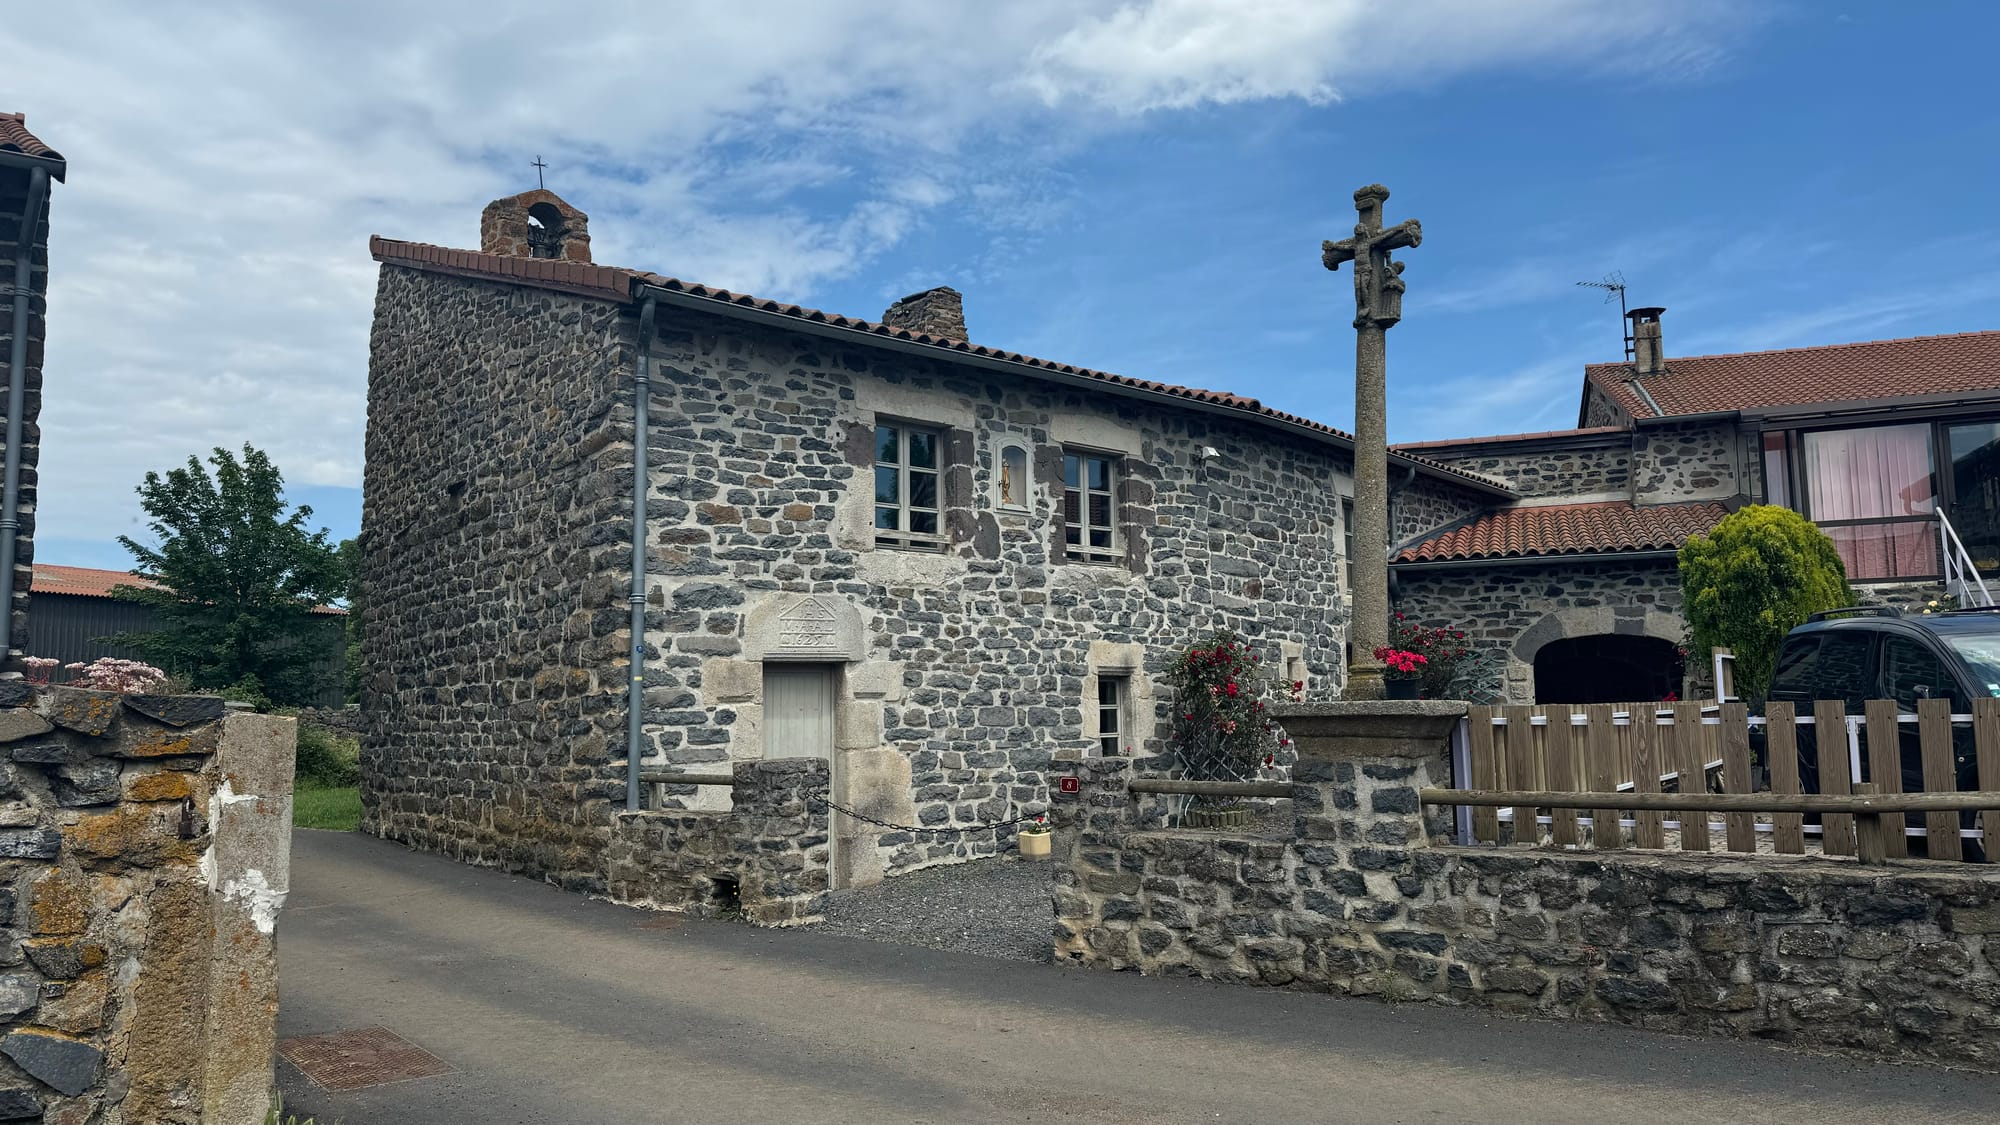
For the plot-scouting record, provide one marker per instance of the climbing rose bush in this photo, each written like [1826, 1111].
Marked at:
[1443, 656]
[1222, 729]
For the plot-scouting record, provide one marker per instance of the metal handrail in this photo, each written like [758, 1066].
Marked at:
[1959, 569]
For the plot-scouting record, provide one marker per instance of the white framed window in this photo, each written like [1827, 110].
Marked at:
[1090, 506]
[1112, 727]
[908, 487]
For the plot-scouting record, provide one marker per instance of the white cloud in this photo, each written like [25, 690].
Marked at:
[210, 278]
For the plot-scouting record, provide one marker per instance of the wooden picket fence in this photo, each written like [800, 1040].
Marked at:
[1640, 750]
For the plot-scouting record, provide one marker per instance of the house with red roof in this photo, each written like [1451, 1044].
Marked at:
[1891, 446]
[938, 565]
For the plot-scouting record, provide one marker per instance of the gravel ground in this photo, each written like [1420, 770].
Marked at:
[993, 907]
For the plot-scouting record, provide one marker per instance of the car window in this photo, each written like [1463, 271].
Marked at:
[1911, 671]
[1792, 678]
[1834, 667]
[1983, 654]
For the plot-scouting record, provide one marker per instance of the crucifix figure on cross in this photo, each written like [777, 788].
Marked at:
[1378, 304]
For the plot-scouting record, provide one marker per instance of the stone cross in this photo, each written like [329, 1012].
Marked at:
[1378, 303]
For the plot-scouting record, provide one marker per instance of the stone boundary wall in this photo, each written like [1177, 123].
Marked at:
[773, 843]
[144, 854]
[347, 721]
[1363, 901]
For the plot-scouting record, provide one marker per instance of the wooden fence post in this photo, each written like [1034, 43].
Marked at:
[1870, 834]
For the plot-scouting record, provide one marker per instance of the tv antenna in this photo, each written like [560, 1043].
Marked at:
[1614, 285]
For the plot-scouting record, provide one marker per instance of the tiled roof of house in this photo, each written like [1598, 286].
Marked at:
[1497, 439]
[89, 582]
[1878, 369]
[1568, 529]
[14, 137]
[613, 283]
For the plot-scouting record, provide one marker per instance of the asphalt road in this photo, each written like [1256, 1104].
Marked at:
[555, 1008]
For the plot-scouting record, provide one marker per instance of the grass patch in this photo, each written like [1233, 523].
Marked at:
[336, 808]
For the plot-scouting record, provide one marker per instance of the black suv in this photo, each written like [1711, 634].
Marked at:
[1854, 655]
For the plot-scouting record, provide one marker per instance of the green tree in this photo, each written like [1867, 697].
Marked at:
[239, 580]
[350, 561]
[1752, 579]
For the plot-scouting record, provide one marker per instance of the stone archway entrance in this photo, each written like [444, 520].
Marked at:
[1606, 668]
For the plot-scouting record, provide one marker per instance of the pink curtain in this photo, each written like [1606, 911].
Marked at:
[1874, 474]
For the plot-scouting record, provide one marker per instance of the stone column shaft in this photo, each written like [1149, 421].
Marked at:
[1368, 628]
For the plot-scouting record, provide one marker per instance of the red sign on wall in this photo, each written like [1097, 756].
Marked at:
[1068, 786]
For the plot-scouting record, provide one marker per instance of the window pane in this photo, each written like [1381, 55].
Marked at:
[1072, 536]
[923, 450]
[1100, 510]
[885, 485]
[1975, 491]
[1840, 670]
[886, 444]
[1100, 473]
[1072, 507]
[1070, 470]
[1777, 483]
[1886, 550]
[924, 522]
[1869, 473]
[923, 490]
[1911, 672]
[885, 518]
[1100, 538]
[1107, 691]
[1108, 746]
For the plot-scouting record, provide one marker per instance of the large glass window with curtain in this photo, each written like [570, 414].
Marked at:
[1974, 477]
[1874, 492]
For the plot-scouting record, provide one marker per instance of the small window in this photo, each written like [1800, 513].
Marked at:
[1090, 525]
[1010, 485]
[1911, 672]
[907, 488]
[1347, 529]
[1110, 715]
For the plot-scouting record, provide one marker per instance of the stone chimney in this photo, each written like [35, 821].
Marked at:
[1648, 354]
[535, 224]
[939, 312]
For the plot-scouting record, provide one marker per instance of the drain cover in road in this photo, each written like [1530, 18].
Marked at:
[356, 1060]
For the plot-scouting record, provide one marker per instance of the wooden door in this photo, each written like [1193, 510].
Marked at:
[798, 710]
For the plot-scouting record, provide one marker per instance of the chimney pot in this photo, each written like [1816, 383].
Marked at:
[1649, 355]
[937, 312]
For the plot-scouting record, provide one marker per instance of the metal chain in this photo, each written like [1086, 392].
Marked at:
[823, 800]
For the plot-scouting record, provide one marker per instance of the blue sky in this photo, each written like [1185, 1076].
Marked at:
[1140, 187]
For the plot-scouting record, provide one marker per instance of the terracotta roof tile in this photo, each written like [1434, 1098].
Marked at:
[1495, 439]
[1568, 529]
[1877, 369]
[618, 284]
[14, 137]
[89, 582]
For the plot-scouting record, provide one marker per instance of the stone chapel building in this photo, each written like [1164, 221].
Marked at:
[937, 564]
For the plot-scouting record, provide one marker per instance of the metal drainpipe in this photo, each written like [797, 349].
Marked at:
[642, 371]
[17, 393]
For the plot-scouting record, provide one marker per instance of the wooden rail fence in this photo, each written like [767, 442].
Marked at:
[1618, 775]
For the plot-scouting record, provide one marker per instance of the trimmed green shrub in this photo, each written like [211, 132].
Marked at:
[325, 759]
[1752, 579]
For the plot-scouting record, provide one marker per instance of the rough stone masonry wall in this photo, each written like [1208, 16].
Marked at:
[1509, 611]
[144, 854]
[1561, 468]
[13, 201]
[1817, 953]
[493, 534]
[1421, 506]
[976, 662]
[771, 847]
[1688, 461]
